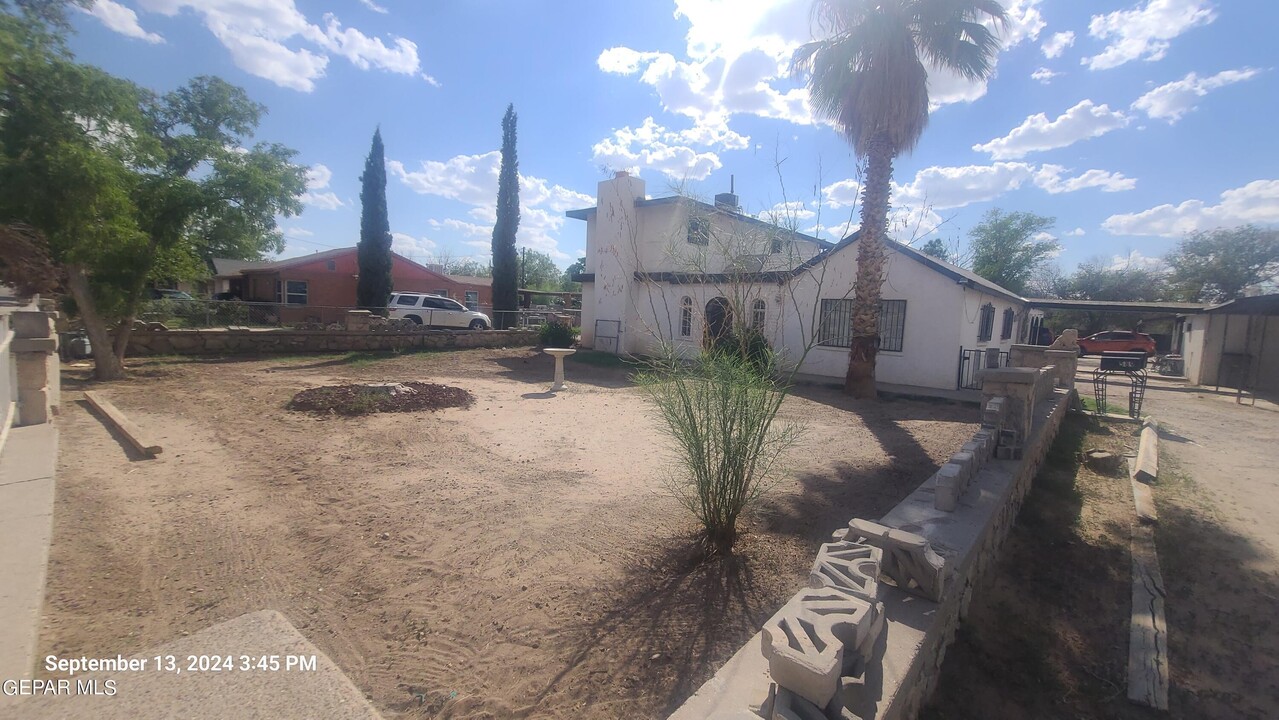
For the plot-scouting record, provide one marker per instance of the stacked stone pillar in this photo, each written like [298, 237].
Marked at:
[35, 357]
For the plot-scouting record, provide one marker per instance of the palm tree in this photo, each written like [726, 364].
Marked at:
[869, 78]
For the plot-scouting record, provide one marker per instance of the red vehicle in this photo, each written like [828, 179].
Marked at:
[1117, 341]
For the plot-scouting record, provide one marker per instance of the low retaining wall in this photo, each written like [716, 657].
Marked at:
[901, 670]
[246, 341]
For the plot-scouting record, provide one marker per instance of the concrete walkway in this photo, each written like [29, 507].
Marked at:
[26, 524]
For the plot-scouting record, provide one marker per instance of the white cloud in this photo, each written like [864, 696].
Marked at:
[295, 232]
[788, 214]
[317, 178]
[1048, 178]
[1256, 202]
[430, 80]
[373, 6]
[1171, 101]
[417, 249]
[670, 152]
[1044, 75]
[472, 180]
[940, 188]
[1134, 260]
[258, 36]
[1057, 44]
[1084, 120]
[1144, 33]
[1077, 232]
[122, 20]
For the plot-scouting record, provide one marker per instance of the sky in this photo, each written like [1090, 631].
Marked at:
[1131, 122]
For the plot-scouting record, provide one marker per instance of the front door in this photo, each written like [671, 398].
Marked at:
[719, 319]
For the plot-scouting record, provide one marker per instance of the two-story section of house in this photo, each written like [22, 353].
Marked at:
[665, 274]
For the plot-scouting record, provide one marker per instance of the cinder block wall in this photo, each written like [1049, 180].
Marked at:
[264, 342]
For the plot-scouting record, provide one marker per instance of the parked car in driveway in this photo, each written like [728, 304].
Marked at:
[1117, 341]
[169, 294]
[435, 311]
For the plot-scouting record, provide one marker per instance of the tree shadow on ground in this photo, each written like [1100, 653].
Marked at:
[538, 368]
[668, 625]
[829, 500]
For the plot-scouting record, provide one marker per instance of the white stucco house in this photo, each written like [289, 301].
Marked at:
[671, 271]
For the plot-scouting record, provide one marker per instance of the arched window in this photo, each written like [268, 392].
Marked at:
[759, 311]
[686, 317]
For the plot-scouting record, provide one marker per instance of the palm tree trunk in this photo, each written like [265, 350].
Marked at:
[106, 365]
[860, 380]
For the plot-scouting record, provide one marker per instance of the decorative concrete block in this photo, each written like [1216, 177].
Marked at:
[849, 566]
[994, 411]
[967, 463]
[908, 560]
[31, 324]
[789, 706]
[977, 449]
[805, 641]
[949, 487]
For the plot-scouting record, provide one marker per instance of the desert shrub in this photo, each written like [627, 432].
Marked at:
[557, 335]
[721, 414]
[748, 345]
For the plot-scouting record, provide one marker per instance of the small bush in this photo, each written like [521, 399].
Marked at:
[557, 335]
[748, 345]
[720, 411]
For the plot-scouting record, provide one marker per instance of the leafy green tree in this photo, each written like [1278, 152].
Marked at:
[567, 284]
[373, 289]
[1216, 265]
[505, 259]
[126, 186]
[937, 248]
[1007, 248]
[538, 271]
[869, 77]
[1096, 280]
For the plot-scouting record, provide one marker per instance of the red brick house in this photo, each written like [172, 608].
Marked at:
[319, 287]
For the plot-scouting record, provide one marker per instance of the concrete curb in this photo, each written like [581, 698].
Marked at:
[26, 526]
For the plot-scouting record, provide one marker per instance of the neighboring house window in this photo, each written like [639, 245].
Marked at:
[686, 317]
[759, 311]
[777, 245]
[1007, 330]
[331, 265]
[835, 327]
[699, 230]
[442, 293]
[473, 299]
[294, 292]
[892, 325]
[986, 328]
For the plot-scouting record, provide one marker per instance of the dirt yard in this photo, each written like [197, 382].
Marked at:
[517, 558]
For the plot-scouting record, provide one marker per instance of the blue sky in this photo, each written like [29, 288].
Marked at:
[1131, 122]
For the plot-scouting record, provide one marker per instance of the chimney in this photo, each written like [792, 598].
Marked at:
[728, 200]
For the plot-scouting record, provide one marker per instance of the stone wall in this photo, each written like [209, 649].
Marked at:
[929, 560]
[33, 350]
[246, 341]
[1066, 362]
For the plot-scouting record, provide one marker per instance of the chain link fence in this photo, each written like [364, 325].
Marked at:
[176, 313]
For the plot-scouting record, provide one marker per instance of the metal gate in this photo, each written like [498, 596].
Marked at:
[607, 333]
[973, 361]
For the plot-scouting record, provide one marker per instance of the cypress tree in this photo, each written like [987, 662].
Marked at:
[373, 291]
[505, 261]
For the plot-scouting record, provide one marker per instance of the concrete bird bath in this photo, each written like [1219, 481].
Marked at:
[559, 354]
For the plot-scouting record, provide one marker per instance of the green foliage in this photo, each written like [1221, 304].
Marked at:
[538, 271]
[1094, 280]
[373, 289]
[937, 248]
[1217, 265]
[748, 346]
[505, 260]
[722, 416]
[557, 335]
[566, 280]
[127, 185]
[468, 267]
[1005, 248]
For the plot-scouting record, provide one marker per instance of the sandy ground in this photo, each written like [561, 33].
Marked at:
[519, 558]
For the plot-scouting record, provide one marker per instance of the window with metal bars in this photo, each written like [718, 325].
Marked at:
[835, 324]
[699, 230]
[986, 328]
[1007, 330]
[759, 312]
[686, 317]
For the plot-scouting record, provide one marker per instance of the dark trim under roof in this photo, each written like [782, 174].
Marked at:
[1256, 305]
[1115, 306]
